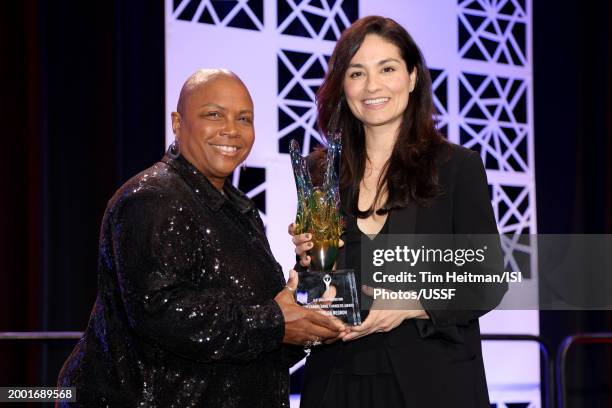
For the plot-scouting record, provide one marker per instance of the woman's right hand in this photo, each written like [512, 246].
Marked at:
[303, 243]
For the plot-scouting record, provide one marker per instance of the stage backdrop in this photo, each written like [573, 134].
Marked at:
[479, 53]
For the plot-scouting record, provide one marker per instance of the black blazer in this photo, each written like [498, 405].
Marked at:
[437, 362]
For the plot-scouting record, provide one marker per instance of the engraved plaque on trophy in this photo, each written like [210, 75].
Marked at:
[334, 292]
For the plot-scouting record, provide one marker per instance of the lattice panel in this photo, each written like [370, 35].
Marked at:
[228, 13]
[493, 31]
[512, 208]
[315, 19]
[300, 75]
[493, 122]
[439, 84]
[513, 212]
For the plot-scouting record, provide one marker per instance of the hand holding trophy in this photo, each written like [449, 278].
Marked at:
[334, 292]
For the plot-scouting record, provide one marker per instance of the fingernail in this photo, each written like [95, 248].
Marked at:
[308, 236]
[310, 245]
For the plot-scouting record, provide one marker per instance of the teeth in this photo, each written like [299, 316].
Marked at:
[375, 101]
[227, 149]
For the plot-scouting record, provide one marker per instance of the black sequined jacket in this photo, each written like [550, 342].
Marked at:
[185, 314]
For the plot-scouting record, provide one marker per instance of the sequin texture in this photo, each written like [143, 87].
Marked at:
[185, 314]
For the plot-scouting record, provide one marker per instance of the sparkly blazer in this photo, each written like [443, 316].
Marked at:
[184, 314]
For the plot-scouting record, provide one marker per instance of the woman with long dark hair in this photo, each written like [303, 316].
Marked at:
[398, 175]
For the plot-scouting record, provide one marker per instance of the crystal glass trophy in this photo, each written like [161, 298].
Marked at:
[334, 292]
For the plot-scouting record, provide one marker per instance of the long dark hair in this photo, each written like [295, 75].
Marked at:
[410, 175]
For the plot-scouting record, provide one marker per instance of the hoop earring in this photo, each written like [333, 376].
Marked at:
[174, 150]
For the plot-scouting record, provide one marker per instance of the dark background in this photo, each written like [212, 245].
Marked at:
[82, 106]
[572, 64]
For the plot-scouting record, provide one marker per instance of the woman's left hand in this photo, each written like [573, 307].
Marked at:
[384, 320]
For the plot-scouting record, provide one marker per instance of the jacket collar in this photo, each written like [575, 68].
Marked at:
[203, 188]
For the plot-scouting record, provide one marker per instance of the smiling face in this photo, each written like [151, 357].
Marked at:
[377, 83]
[215, 128]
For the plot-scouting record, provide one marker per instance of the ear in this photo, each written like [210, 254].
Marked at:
[176, 123]
[413, 79]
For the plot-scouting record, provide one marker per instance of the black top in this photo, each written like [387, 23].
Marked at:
[185, 312]
[436, 362]
[364, 356]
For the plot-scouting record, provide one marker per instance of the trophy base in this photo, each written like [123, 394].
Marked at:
[332, 292]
